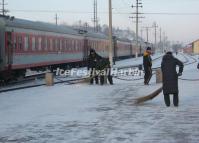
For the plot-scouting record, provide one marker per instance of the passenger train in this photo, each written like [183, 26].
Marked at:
[34, 45]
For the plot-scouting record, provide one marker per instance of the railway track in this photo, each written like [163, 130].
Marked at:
[19, 86]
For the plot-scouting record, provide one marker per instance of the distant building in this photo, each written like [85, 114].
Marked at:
[196, 47]
[188, 49]
[192, 48]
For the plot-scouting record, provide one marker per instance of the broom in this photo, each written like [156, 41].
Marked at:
[87, 79]
[148, 97]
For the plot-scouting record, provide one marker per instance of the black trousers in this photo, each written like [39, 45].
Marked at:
[93, 75]
[175, 99]
[109, 76]
[147, 75]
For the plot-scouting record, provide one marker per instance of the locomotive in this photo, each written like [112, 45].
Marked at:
[36, 45]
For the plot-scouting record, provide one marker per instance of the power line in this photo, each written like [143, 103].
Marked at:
[170, 13]
[102, 12]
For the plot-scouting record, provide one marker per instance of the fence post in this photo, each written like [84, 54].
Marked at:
[49, 78]
[158, 76]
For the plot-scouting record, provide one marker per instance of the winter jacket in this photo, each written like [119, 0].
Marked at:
[103, 63]
[147, 61]
[93, 60]
[169, 73]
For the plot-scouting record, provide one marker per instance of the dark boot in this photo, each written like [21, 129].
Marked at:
[167, 99]
[96, 80]
[110, 79]
[101, 80]
[175, 99]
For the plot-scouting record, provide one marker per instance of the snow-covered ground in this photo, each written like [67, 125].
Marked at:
[83, 113]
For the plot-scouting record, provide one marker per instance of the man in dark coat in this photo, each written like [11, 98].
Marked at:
[147, 63]
[170, 77]
[93, 61]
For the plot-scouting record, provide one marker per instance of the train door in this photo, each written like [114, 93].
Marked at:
[9, 49]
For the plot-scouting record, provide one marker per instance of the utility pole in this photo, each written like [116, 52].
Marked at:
[161, 38]
[3, 10]
[147, 33]
[164, 40]
[95, 16]
[160, 35]
[141, 32]
[137, 17]
[56, 19]
[86, 26]
[110, 34]
[155, 27]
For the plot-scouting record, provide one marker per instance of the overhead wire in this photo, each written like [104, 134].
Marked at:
[101, 12]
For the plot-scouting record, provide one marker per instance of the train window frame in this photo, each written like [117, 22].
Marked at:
[39, 43]
[76, 45]
[26, 42]
[48, 43]
[20, 42]
[51, 44]
[33, 39]
[65, 42]
[54, 44]
[14, 40]
[60, 44]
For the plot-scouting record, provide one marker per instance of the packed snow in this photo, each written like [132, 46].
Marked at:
[84, 113]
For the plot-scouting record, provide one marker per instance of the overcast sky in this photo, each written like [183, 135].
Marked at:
[177, 27]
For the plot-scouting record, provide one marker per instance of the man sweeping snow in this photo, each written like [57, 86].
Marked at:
[170, 77]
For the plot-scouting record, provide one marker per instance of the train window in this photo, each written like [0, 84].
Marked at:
[19, 37]
[57, 44]
[65, 45]
[70, 45]
[26, 43]
[14, 41]
[48, 43]
[76, 46]
[73, 45]
[39, 43]
[54, 44]
[44, 43]
[51, 44]
[33, 43]
[60, 45]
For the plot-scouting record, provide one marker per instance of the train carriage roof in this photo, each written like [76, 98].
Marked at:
[49, 27]
[97, 35]
[42, 26]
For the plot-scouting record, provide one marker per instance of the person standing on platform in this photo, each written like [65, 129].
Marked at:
[147, 63]
[170, 77]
